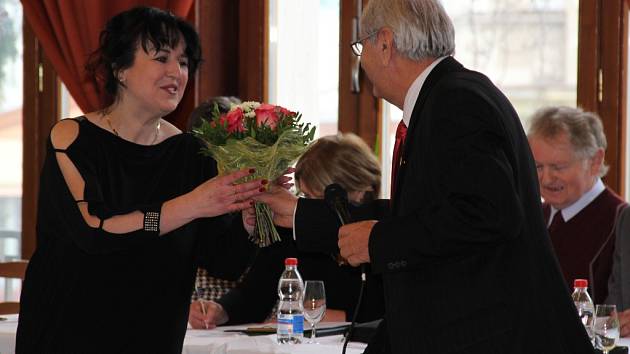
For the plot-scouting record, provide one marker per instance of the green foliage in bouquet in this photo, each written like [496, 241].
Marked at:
[267, 137]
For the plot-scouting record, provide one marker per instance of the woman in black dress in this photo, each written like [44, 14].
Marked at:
[127, 207]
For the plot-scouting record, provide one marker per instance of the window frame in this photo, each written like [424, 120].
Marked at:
[40, 111]
[602, 68]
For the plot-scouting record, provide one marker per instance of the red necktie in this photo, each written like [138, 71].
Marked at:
[401, 133]
[556, 222]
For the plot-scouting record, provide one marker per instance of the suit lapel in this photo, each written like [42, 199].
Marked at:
[446, 66]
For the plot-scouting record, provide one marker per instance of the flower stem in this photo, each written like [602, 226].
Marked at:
[265, 232]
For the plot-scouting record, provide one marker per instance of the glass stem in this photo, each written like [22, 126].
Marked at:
[313, 335]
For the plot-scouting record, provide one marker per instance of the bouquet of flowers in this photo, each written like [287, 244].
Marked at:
[267, 137]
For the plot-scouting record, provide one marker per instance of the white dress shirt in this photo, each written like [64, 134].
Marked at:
[414, 90]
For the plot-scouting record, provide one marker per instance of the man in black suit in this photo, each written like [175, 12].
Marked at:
[465, 257]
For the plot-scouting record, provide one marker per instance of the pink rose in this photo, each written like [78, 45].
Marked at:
[267, 114]
[285, 111]
[288, 115]
[234, 120]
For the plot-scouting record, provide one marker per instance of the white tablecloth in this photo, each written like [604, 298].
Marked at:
[219, 342]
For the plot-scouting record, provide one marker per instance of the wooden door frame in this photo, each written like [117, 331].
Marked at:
[602, 81]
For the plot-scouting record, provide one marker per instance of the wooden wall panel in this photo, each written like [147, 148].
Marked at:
[358, 112]
[252, 56]
[233, 38]
[218, 28]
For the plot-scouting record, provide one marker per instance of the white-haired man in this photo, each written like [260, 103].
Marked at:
[580, 212]
[466, 262]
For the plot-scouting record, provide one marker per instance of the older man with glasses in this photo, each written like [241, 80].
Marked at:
[466, 262]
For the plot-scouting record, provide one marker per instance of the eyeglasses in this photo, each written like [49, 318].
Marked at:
[357, 46]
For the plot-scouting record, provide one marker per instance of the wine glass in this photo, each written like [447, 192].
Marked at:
[606, 327]
[314, 304]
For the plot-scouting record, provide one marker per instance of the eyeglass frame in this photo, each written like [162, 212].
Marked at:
[355, 45]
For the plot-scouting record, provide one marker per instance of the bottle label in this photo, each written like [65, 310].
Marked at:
[285, 324]
[298, 324]
[289, 324]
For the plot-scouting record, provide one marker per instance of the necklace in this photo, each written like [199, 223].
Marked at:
[157, 129]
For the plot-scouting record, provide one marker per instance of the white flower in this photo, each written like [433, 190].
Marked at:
[249, 105]
[250, 114]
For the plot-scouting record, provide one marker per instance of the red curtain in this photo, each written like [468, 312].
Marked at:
[68, 31]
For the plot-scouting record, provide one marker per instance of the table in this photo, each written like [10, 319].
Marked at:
[217, 341]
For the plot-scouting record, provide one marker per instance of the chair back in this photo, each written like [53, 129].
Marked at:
[16, 270]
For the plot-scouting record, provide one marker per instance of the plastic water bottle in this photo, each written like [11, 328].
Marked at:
[290, 308]
[584, 305]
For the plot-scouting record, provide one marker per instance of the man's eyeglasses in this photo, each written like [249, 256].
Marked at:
[357, 46]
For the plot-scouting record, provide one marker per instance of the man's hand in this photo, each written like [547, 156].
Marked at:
[624, 323]
[354, 240]
[214, 315]
[249, 214]
[282, 203]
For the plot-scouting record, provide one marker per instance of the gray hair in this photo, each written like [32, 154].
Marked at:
[422, 29]
[585, 129]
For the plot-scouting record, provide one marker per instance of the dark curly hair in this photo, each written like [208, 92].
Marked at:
[138, 26]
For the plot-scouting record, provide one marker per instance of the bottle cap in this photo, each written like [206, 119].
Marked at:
[580, 283]
[291, 261]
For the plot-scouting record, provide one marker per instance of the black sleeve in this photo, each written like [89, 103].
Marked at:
[252, 300]
[223, 246]
[91, 240]
[317, 226]
[474, 200]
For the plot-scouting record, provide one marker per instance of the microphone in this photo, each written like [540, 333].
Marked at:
[337, 199]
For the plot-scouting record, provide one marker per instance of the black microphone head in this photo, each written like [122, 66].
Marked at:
[334, 193]
[337, 199]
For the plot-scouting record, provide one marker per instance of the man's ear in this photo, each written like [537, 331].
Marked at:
[596, 161]
[385, 45]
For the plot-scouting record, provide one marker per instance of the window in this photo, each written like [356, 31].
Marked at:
[527, 48]
[69, 108]
[303, 60]
[10, 128]
[11, 82]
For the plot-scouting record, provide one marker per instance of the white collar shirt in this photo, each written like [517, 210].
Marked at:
[414, 90]
[572, 210]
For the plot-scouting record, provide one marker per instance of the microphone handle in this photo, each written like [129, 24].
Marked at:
[336, 256]
[342, 213]
[344, 218]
